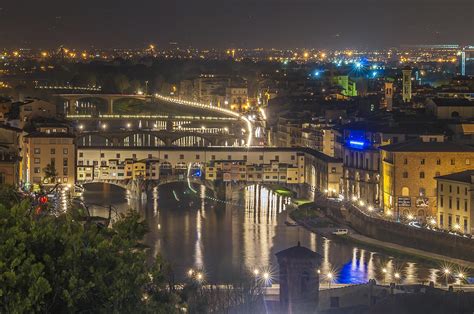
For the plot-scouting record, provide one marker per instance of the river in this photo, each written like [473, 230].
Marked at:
[191, 228]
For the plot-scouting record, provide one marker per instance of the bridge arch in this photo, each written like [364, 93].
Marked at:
[90, 104]
[94, 139]
[191, 140]
[142, 140]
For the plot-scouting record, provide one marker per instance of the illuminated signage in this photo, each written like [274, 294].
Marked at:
[356, 144]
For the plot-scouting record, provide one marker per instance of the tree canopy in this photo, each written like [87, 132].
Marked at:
[59, 264]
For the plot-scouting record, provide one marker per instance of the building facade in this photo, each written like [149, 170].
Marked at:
[456, 202]
[52, 148]
[409, 170]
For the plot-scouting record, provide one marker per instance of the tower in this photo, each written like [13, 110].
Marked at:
[299, 279]
[388, 95]
[406, 93]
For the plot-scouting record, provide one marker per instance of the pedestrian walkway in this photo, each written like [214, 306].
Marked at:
[409, 250]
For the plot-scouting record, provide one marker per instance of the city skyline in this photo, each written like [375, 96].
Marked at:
[246, 24]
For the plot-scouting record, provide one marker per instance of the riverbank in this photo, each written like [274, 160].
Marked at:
[304, 216]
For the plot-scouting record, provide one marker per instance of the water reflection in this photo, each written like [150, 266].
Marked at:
[190, 229]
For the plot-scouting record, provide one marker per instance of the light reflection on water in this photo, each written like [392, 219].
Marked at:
[228, 238]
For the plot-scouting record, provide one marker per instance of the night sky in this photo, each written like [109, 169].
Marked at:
[235, 23]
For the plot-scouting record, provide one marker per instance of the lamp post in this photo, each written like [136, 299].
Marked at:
[446, 275]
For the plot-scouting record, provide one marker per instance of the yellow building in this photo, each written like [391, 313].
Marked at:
[138, 170]
[455, 201]
[51, 147]
[409, 170]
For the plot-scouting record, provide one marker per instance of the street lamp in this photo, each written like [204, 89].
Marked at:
[190, 272]
[330, 276]
[256, 272]
[397, 276]
[384, 271]
[446, 272]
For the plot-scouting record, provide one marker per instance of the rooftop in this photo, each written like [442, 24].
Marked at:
[298, 251]
[463, 176]
[453, 102]
[420, 146]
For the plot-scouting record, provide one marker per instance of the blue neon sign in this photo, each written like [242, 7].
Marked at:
[356, 144]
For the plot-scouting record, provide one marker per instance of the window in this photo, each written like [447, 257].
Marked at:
[465, 191]
[453, 162]
[441, 220]
[117, 155]
[165, 156]
[260, 157]
[65, 162]
[457, 189]
[134, 156]
[457, 203]
[450, 189]
[441, 187]
[437, 174]
[450, 221]
[37, 161]
[65, 171]
[465, 205]
[150, 156]
[468, 161]
[277, 158]
[53, 151]
[292, 157]
[37, 170]
[37, 151]
[65, 151]
[333, 170]
[213, 157]
[405, 161]
[181, 156]
[245, 157]
[422, 175]
[197, 157]
[422, 191]
[81, 154]
[405, 175]
[438, 161]
[450, 205]
[102, 155]
[422, 161]
[65, 179]
[441, 201]
[229, 157]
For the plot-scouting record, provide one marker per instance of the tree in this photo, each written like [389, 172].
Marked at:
[50, 172]
[59, 264]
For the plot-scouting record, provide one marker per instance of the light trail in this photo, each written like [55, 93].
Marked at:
[217, 109]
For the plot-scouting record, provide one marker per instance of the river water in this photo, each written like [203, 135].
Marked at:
[191, 228]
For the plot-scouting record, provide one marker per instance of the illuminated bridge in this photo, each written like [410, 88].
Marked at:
[167, 121]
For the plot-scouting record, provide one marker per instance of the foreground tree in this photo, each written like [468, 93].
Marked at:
[58, 264]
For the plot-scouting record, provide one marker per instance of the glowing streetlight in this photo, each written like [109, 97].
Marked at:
[129, 125]
[433, 221]
[104, 126]
[266, 276]
[410, 217]
[256, 272]
[190, 272]
[354, 198]
[361, 203]
[370, 208]
[81, 127]
[384, 270]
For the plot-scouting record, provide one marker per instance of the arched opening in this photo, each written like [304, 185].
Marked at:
[405, 191]
[191, 141]
[455, 114]
[91, 106]
[142, 140]
[93, 140]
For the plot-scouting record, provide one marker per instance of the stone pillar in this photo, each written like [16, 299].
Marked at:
[110, 106]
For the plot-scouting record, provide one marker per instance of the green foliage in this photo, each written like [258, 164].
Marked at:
[57, 264]
[50, 172]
